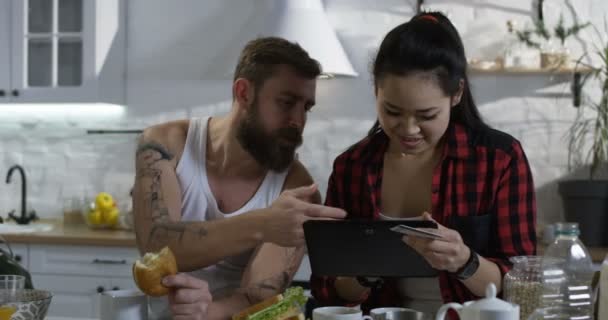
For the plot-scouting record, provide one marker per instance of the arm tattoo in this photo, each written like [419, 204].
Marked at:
[277, 283]
[150, 154]
[164, 153]
[162, 231]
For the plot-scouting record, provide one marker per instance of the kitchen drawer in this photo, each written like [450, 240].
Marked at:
[82, 260]
[73, 296]
[20, 252]
[123, 283]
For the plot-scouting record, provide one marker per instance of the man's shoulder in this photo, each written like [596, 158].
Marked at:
[170, 135]
[297, 176]
[166, 130]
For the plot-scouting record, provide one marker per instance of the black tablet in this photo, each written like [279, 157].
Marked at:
[364, 248]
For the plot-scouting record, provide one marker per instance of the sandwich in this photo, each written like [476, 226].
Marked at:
[149, 271]
[286, 306]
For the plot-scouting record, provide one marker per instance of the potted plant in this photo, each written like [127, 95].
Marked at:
[553, 54]
[586, 200]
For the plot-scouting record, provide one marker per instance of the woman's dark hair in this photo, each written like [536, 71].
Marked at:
[428, 43]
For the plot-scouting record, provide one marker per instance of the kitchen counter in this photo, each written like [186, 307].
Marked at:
[64, 318]
[79, 234]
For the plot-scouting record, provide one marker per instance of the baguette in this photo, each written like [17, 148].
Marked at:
[287, 306]
[242, 315]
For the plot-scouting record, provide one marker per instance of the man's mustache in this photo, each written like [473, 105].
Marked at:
[292, 135]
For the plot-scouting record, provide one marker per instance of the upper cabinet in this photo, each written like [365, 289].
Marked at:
[62, 51]
[5, 38]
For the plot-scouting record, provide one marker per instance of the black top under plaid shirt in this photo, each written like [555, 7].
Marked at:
[482, 188]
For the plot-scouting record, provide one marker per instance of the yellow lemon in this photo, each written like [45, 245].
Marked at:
[104, 201]
[95, 217]
[111, 217]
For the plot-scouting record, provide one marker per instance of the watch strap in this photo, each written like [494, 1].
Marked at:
[469, 268]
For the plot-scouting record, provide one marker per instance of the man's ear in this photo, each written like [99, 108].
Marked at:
[243, 92]
[457, 97]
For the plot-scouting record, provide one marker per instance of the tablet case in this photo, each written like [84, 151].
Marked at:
[364, 248]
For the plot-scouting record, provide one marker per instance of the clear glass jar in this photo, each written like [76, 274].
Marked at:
[523, 285]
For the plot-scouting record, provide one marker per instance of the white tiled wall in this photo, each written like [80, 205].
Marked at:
[180, 67]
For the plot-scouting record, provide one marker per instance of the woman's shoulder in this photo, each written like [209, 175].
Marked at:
[363, 150]
[494, 140]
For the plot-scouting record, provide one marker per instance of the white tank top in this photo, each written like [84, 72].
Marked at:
[199, 204]
[422, 294]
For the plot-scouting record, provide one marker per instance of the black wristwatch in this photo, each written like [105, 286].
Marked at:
[469, 268]
[370, 282]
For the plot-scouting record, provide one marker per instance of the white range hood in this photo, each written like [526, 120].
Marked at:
[304, 22]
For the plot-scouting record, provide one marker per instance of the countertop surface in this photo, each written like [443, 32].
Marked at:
[81, 234]
[64, 318]
[77, 234]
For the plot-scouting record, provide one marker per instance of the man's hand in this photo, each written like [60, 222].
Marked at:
[291, 209]
[449, 253]
[189, 298]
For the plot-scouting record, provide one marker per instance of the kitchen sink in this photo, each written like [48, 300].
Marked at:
[12, 228]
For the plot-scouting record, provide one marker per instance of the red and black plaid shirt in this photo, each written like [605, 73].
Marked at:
[483, 189]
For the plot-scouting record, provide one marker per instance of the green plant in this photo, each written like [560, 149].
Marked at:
[560, 31]
[592, 126]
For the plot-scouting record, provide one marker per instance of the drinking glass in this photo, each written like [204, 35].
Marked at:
[9, 284]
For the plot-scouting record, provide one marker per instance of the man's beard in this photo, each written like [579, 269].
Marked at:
[272, 150]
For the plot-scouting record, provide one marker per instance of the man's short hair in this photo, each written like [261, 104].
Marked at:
[259, 58]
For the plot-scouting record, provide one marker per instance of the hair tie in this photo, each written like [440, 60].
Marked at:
[428, 17]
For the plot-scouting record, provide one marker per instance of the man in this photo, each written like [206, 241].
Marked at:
[227, 194]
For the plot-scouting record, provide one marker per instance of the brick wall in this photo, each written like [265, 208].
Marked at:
[179, 70]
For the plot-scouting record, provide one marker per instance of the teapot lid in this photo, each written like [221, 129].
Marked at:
[490, 302]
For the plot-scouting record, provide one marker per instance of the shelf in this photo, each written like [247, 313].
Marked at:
[525, 71]
[577, 75]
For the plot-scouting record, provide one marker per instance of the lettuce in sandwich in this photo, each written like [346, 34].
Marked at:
[290, 306]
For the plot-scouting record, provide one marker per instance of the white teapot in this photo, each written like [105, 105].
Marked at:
[489, 308]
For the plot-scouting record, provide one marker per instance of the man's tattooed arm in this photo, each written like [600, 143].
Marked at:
[157, 214]
[284, 263]
[269, 273]
[150, 156]
[154, 175]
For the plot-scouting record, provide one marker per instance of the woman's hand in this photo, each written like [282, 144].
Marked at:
[448, 254]
[189, 298]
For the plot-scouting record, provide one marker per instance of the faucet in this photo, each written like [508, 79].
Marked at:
[24, 218]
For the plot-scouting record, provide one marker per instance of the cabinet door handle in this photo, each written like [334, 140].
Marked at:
[2, 93]
[100, 289]
[18, 258]
[104, 261]
[15, 93]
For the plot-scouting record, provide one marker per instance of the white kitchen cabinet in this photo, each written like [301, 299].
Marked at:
[20, 254]
[5, 36]
[73, 296]
[77, 274]
[62, 50]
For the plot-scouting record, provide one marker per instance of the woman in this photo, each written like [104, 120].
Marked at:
[430, 156]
